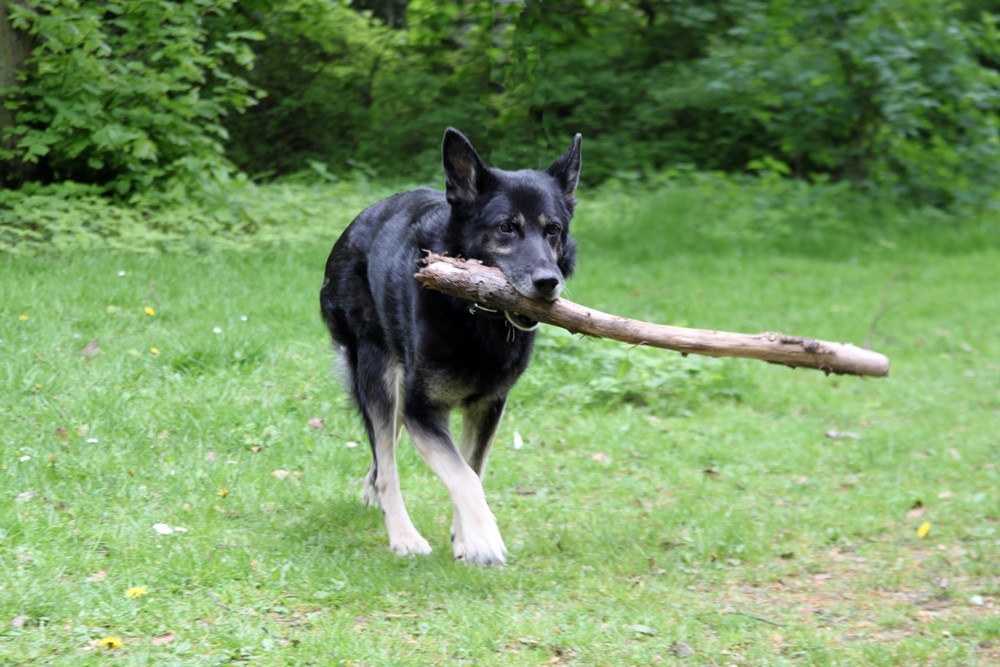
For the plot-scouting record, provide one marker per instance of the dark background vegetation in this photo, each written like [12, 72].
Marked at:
[176, 99]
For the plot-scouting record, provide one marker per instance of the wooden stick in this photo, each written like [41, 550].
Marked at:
[486, 286]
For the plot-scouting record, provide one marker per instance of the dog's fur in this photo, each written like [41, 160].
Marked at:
[412, 355]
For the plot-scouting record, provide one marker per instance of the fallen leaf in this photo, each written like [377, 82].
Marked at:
[91, 349]
[601, 458]
[316, 423]
[280, 474]
[18, 622]
[681, 650]
[163, 639]
[924, 529]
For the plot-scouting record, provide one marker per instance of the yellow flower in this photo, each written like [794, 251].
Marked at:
[150, 311]
[23, 318]
[925, 528]
[222, 493]
[155, 351]
[111, 643]
[136, 592]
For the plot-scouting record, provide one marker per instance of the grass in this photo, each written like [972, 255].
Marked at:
[661, 509]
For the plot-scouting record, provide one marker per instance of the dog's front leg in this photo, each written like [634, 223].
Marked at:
[476, 536]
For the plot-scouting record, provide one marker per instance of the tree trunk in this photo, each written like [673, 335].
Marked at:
[486, 286]
[15, 47]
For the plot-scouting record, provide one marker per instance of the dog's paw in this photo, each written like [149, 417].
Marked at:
[409, 545]
[482, 547]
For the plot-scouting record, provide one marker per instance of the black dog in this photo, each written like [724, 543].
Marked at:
[413, 354]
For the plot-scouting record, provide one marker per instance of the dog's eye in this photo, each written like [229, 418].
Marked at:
[506, 227]
[552, 229]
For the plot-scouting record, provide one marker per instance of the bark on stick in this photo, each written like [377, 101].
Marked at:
[486, 286]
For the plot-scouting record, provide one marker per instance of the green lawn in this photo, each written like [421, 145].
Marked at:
[661, 509]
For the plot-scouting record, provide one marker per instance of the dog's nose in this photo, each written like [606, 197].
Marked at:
[547, 285]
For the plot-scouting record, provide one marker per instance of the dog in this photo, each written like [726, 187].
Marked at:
[411, 355]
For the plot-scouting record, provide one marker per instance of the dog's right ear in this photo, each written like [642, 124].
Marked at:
[464, 171]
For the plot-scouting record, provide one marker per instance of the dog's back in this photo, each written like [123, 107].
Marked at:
[412, 355]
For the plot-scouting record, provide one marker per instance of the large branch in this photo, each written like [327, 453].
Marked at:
[487, 286]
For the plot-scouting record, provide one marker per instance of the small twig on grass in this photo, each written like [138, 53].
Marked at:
[756, 618]
[218, 602]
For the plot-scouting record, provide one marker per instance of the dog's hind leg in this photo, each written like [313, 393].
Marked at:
[376, 386]
[480, 421]
[476, 536]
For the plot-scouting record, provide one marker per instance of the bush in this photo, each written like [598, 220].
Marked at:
[128, 96]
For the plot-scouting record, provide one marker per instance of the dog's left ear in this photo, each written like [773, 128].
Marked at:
[464, 171]
[566, 169]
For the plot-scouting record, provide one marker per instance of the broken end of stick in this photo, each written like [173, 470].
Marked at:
[830, 358]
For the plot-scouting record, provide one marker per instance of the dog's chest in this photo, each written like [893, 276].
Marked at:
[461, 369]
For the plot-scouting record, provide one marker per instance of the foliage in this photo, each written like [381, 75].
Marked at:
[884, 94]
[891, 96]
[70, 217]
[129, 96]
[599, 373]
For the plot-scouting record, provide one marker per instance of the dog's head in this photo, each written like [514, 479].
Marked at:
[517, 221]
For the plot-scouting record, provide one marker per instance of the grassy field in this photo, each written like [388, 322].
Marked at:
[180, 472]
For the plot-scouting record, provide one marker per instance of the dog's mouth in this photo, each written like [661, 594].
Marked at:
[520, 322]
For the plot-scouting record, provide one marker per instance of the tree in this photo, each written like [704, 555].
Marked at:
[15, 46]
[126, 95]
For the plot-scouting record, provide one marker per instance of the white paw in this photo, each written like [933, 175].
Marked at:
[406, 545]
[483, 546]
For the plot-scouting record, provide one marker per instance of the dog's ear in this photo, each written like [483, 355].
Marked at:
[464, 171]
[566, 169]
